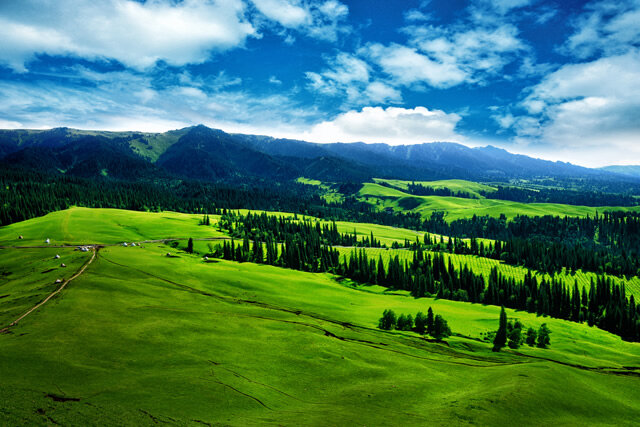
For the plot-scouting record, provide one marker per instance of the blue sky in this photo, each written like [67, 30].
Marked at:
[555, 79]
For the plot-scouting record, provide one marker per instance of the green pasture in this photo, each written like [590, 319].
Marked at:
[143, 338]
[458, 185]
[457, 207]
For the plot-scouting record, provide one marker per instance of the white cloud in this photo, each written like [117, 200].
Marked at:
[476, 50]
[415, 15]
[391, 125]
[407, 66]
[505, 6]
[288, 13]
[136, 34]
[130, 101]
[320, 19]
[589, 108]
[381, 93]
[349, 76]
[609, 27]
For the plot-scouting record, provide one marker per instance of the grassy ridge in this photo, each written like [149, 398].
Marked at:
[84, 225]
[142, 338]
[457, 207]
[457, 185]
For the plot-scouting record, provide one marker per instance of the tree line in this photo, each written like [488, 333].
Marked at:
[604, 304]
[525, 195]
[604, 243]
[430, 324]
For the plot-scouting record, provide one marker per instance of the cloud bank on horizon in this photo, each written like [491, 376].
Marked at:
[555, 79]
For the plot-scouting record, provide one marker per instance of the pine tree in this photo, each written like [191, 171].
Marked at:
[190, 245]
[543, 336]
[430, 321]
[388, 320]
[514, 335]
[404, 323]
[532, 335]
[421, 323]
[440, 328]
[501, 335]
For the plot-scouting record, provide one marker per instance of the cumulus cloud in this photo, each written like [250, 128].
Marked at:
[136, 34]
[592, 106]
[406, 66]
[390, 125]
[320, 19]
[289, 14]
[606, 27]
[469, 51]
[350, 76]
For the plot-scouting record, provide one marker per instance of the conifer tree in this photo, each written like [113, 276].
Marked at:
[421, 323]
[501, 335]
[430, 321]
[388, 320]
[440, 328]
[531, 338]
[543, 336]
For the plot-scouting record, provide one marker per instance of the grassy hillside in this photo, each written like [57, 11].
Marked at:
[84, 226]
[457, 185]
[456, 207]
[329, 194]
[141, 338]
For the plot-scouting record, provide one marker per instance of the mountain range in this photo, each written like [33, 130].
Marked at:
[202, 153]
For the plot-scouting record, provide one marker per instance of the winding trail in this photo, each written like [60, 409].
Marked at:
[95, 250]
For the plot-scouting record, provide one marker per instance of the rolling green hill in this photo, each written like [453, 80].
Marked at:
[141, 338]
[180, 340]
[471, 188]
[457, 207]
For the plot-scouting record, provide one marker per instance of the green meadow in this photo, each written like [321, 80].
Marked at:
[457, 207]
[471, 188]
[141, 338]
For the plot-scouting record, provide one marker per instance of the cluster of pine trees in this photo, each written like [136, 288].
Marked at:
[511, 334]
[294, 252]
[604, 305]
[436, 326]
[607, 243]
[261, 226]
[567, 197]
